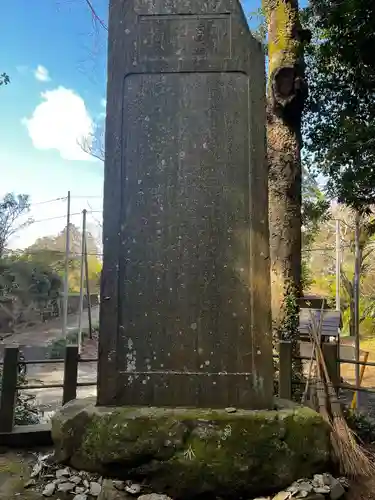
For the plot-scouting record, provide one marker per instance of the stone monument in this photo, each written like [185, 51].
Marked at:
[185, 323]
[185, 301]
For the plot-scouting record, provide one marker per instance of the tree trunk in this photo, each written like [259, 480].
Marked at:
[287, 91]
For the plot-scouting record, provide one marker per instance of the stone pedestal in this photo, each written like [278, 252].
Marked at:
[191, 453]
[185, 311]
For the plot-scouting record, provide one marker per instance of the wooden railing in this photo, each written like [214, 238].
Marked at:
[333, 362]
[10, 387]
[70, 383]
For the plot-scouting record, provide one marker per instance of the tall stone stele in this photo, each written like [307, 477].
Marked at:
[185, 301]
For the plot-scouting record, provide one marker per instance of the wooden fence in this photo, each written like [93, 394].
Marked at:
[10, 433]
[333, 362]
[40, 434]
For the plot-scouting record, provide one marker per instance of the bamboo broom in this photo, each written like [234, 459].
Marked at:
[351, 457]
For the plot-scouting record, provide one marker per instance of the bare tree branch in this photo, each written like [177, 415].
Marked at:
[87, 145]
[93, 144]
[12, 207]
[95, 15]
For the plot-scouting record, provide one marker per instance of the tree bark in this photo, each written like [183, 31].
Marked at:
[286, 94]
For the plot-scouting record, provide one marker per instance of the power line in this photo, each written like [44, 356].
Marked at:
[64, 198]
[324, 249]
[63, 216]
[90, 196]
[59, 252]
[48, 201]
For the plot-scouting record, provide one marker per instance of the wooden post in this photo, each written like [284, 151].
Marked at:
[330, 353]
[285, 369]
[363, 368]
[70, 374]
[9, 389]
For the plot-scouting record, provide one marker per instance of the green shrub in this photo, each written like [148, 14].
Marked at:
[26, 412]
[56, 348]
[361, 424]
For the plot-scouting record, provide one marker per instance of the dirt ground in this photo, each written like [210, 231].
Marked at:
[42, 333]
[14, 473]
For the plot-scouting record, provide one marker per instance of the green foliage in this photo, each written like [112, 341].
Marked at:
[361, 424]
[322, 268]
[339, 126]
[28, 281]
[288, 330]
[56, 349]
[26, 412]
[315, 208]
[315, 211]
[4, 79]
[51, 250]
[258, 18]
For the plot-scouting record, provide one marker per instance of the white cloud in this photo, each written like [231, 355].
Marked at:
[41, 73]
[61, 121]
[103, 102]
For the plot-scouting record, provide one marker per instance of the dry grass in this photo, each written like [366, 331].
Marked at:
[362, 490]
[348, 370]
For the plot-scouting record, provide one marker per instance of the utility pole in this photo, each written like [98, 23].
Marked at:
[81, 285]
[338, 265]
[88, 288]
[357, 272]
[66, 277]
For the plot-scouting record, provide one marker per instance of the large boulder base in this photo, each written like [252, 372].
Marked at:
[189, 452]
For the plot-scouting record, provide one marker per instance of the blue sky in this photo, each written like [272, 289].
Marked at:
[56, 59]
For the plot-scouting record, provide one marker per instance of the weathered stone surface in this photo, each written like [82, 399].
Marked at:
[49, 490]
[337, 490]
[154, 496]
[185, 312]
[185, 452]
[95, 488]
[110, 492]
[66, 486]
[133, 489]
[282, 495]
[80, 496]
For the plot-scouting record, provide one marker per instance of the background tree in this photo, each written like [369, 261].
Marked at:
[314, 211]
[286, 94]
[340, 121]
[51, 250]
[95, 142]
[28, 280]
[12, 208]
[4, 79]
[322, 266]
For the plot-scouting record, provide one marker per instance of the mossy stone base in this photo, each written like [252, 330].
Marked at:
[188, 452]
